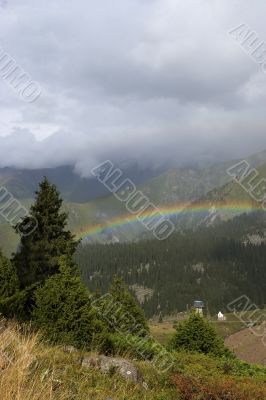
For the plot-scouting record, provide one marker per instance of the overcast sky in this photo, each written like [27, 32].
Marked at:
[152, 81]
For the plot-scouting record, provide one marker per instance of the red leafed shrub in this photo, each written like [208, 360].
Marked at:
[221, 388]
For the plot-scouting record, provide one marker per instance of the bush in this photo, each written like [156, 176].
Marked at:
[63, 310]
[19, 305]
[131, 346]
[9, 283]
[12, 301]
[127, 315]
[193, 388]
[196, 334]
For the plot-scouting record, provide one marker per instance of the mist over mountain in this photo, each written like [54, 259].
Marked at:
[89, 203]
[158, 183]
[22, 183]
[135, 81]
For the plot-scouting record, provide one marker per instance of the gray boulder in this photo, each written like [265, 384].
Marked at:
[113, 365]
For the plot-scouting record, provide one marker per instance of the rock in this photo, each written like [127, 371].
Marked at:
[90, 362]
[111, 365]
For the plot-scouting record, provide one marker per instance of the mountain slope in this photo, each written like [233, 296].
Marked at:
[175, 186]
[215, 264]
[169, 190]
[187, 184]
[222, 203]
[23, 183]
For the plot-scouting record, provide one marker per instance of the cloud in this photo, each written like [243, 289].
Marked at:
[158, 82]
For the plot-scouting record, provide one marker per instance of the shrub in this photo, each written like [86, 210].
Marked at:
[19, 305]
[132, 346]
[9, 283]
[63, 310]
[197, 335]
[192, 388]
[129, 316]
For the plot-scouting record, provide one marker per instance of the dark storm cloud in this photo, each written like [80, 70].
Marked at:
[152, 81]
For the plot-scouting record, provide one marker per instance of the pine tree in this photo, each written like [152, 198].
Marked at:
[12, 301]
[196, 334]
[63, 309]
[129, 316]
[37, 257]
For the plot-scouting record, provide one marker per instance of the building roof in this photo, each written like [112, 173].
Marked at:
[198, 304]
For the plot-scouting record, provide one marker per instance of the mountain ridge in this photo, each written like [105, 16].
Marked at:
[170, 187]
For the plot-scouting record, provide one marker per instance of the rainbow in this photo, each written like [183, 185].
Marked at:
[174, 210]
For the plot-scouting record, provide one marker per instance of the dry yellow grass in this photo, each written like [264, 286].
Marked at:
[33, 370]
[162, 332]
[20, 377]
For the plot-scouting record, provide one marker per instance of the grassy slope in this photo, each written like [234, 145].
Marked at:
[33, 370]
[162, 331]
[248, 346]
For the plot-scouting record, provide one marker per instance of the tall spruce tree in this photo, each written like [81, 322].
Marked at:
[38, 254]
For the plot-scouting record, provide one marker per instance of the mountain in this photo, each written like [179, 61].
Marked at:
[179, 184]
[223, 203]
[202, 189]
[189, 184]
[73, 188]
[90, 205]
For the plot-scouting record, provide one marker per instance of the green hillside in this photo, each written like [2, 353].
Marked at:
[234, 191]
[50, 372]
[222, 204]
[211, 184]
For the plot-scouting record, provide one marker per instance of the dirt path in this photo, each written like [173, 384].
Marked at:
[248, 344]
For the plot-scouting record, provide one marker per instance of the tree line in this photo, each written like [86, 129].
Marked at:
[215, 264]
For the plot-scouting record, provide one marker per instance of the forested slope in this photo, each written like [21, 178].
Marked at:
[216, 264]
